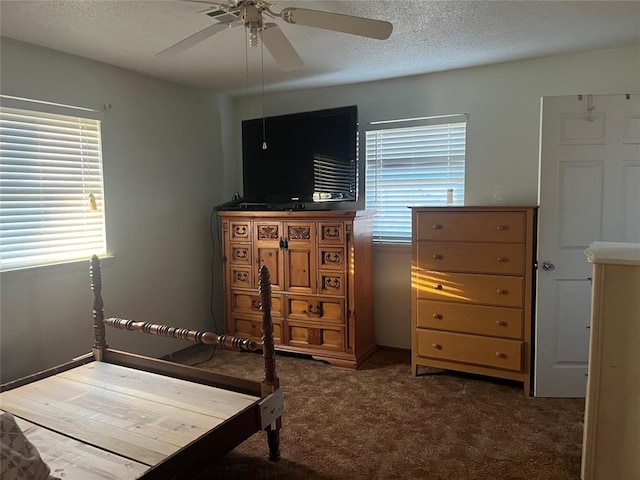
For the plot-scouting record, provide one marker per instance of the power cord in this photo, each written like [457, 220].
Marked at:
[214, 231]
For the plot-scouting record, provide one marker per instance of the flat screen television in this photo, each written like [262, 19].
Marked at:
[309, 157]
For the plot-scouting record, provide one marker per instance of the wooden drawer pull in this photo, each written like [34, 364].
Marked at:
[315, 310]
[242, 276]
[332, 283]
[255, 304]
[331, 257]
[437, 256]
[331, 232]
[437, 316]
[501, 323]
[501, 355]
[502, 227]
[501, 291]
[240, 230]
[502, 259]
[436, 346]
[438, 227]
[241, 253]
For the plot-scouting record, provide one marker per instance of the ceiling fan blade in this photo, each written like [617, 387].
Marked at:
[194, 39]
[364, 27]
[280, 48]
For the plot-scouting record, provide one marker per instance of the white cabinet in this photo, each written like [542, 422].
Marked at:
[611, 446]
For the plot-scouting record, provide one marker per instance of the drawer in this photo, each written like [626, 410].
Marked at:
[240, 276]
[332, 283]
[471, 349]
[496, 290]
[239, 231]
[330, 233]
[501, 258]
[332, 258]
[325, 337]
[252, 329]
[240, 254]
[505, 227]
[249, 302]
[476, 319]
[315, 309]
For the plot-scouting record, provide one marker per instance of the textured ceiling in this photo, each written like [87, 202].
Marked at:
[428, 36]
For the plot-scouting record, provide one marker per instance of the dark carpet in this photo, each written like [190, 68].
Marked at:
[380, 422]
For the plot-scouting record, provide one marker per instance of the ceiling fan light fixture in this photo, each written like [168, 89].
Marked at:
[249, 13]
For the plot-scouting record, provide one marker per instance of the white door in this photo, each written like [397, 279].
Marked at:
[589, 191]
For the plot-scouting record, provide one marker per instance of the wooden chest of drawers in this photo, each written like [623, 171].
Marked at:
[472, 290]
[320, 264]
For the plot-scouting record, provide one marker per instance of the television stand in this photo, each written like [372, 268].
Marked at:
[320, 264]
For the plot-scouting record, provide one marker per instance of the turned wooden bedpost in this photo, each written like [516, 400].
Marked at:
[99, 343]
[270, 383]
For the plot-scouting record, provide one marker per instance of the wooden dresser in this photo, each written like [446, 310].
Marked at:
[321, 278]
[472, 290]
[611, 445]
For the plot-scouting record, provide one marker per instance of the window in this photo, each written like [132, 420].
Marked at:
[51, 193]
[415, 162]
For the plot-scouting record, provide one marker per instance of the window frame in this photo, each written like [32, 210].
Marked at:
[32, 150]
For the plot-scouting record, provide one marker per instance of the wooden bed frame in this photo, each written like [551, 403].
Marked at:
[113, 414]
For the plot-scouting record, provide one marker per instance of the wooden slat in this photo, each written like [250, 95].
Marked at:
[185, 395]
[184, 372]
[153, 421]
[118, 441]
[72, 460]
[136, 414]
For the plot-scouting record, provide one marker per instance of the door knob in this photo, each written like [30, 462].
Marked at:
[548, 266]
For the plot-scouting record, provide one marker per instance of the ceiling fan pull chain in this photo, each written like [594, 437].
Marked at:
[264, 133]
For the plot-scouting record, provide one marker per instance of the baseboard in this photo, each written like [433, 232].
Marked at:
[395, 349]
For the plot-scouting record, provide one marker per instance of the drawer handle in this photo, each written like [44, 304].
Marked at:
[500, 291]
[240, 230]
[255, 304]
[331, 232]
[501, 323]
[502, 259]
[437, 316]
[242, 276]
[502, 227]
[437, 226]
[332, 283]
[436, 346]
[315, 310]
[501, 355]
[241, 253]
[437, 256]
[438, 287]
[331, 257]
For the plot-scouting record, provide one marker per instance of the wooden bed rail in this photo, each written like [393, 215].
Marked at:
[207, 338]
[197, 336]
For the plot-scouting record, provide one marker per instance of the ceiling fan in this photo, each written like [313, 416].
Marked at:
[252, 13]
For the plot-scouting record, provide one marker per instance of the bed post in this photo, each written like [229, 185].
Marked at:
[270, 383]
[99, 343]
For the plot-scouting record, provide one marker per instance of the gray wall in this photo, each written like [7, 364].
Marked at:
[163, 165]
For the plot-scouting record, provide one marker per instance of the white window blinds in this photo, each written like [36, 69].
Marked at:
[412, 163]
[51, 193]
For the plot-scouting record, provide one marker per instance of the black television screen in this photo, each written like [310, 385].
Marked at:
[309, 157]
